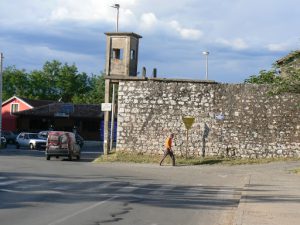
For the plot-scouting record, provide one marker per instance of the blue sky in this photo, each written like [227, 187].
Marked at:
[242, 36]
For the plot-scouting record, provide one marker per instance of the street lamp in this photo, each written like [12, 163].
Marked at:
[112, 122]
[117, 6]
[206, 63]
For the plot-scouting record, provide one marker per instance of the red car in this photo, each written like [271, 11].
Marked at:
[62, 144]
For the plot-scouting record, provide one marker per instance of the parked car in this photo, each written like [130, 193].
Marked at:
[62, 143]
[9, 136]
[43, 134]
[30, 140]
[3, 142]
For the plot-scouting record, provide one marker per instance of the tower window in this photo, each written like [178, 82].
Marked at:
[132, 54]
[117, 53]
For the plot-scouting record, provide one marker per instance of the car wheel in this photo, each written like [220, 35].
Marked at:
[78, 157]
[70, 157]
[48, 157]
[31, 146]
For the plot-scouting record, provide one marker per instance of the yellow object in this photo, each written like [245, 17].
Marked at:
[188, 121]
[168, 143]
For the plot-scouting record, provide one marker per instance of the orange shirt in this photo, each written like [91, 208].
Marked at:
[168, 143]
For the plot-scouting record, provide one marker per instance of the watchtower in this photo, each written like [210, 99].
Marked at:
[121, 64]
[122, 54]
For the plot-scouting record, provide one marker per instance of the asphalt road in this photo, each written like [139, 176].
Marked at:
[35, 191]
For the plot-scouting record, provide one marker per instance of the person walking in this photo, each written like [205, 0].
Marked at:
[168, 149]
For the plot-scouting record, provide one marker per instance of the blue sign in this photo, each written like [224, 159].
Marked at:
[67, 108]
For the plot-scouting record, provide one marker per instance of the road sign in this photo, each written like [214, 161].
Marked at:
[188, 121]
[105, 106]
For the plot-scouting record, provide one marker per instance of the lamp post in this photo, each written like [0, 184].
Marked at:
[117, 6]
[205, 53]
[112, 119]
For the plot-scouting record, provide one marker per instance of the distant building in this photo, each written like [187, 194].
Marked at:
[63, 116]
[17, 104]
[291, 61]
[22, 114]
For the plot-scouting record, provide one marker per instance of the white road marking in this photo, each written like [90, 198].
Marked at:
[81, 211]
[163, 190]
[9, 182]
[128, 189]
[32, 192]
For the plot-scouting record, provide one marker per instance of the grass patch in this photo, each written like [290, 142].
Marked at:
[297, 170]
[155, 159]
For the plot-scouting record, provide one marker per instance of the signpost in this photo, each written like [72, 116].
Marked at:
[106, 106]
[188, 122]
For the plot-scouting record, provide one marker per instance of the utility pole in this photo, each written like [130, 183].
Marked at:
[112, 122]
[1, 72]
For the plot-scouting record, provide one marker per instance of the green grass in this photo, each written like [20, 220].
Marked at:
[155, 159]
[297, 170]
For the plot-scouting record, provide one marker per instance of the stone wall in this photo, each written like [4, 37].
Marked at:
[255, 123]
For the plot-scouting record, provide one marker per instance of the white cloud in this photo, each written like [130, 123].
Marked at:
[278, 47]
[237, 43]
[70, 28]
[186, 33]
[148, 20]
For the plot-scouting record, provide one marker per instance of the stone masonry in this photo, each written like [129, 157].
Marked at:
[255, 123]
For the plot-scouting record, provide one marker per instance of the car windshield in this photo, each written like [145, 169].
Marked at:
[33, 136]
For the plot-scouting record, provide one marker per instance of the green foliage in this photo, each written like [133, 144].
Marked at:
[95, 93]
[264, 77]
[15, 82]
[55, 81]
[289, 83]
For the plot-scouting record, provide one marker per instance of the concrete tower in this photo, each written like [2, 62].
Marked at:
[122, 54]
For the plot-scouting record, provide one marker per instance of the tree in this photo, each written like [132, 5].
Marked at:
[96, 92]
[264, 77]
[289, 81]
[55, 81]
[15, 82]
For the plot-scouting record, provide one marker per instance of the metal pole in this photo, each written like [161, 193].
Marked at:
[1, 71]
[118, 7]
[206, 64]
[112, 121]
[206, 74]
[187, 143]
[106, 119]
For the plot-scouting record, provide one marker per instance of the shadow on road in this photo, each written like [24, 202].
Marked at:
[88, 153]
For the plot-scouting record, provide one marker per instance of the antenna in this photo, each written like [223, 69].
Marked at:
[117, 6]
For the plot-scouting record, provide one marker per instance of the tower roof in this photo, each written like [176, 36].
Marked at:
[123, 34]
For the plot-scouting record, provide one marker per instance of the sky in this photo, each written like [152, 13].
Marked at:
[241, 36]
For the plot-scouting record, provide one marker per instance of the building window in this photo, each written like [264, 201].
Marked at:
[117, 53]
[14, 108]
[132, 54]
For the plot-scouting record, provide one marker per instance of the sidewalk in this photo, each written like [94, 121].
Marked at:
[270, 198]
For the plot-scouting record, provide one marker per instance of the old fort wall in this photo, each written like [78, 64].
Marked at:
[255, 123]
